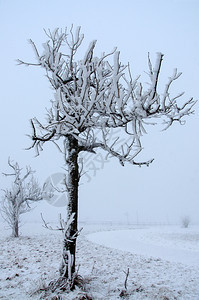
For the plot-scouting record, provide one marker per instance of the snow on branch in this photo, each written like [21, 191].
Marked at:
[18, 198]
[95, 93]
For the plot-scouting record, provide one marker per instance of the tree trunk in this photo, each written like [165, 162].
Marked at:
[15, 228]
[69, 247]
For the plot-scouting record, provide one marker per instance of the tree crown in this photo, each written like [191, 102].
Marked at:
[93, 93]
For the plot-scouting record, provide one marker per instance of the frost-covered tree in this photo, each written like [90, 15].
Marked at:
[96, 94]
[18, 198]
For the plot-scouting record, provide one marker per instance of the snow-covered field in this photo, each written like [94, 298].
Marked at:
[163, 262]
[172, 244]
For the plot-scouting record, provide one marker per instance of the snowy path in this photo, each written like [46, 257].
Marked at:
[175, 246]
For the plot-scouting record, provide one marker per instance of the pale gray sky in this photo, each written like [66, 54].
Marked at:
[169, 188]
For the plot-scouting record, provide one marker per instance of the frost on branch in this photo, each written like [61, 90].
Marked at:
[17, 199]
[93, 97]
[99, 93]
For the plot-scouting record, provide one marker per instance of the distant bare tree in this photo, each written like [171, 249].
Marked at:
[96, 94]
[186, 221]
[17, 199]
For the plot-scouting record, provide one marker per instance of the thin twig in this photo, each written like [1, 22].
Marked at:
[126, 279]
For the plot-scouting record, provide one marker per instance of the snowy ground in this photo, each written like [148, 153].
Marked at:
[163, 262]
[173, 244]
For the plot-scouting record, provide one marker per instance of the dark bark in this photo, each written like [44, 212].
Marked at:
[69, 247]
[15, 229]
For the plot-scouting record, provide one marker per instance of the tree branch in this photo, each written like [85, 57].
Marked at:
[94, 93]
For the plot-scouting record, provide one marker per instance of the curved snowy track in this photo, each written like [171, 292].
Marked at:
[171, 244]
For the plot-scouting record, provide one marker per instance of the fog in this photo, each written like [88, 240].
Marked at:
[165, 191]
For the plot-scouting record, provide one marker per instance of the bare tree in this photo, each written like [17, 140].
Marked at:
[95, 94]
[185, 221]
[17, 199]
